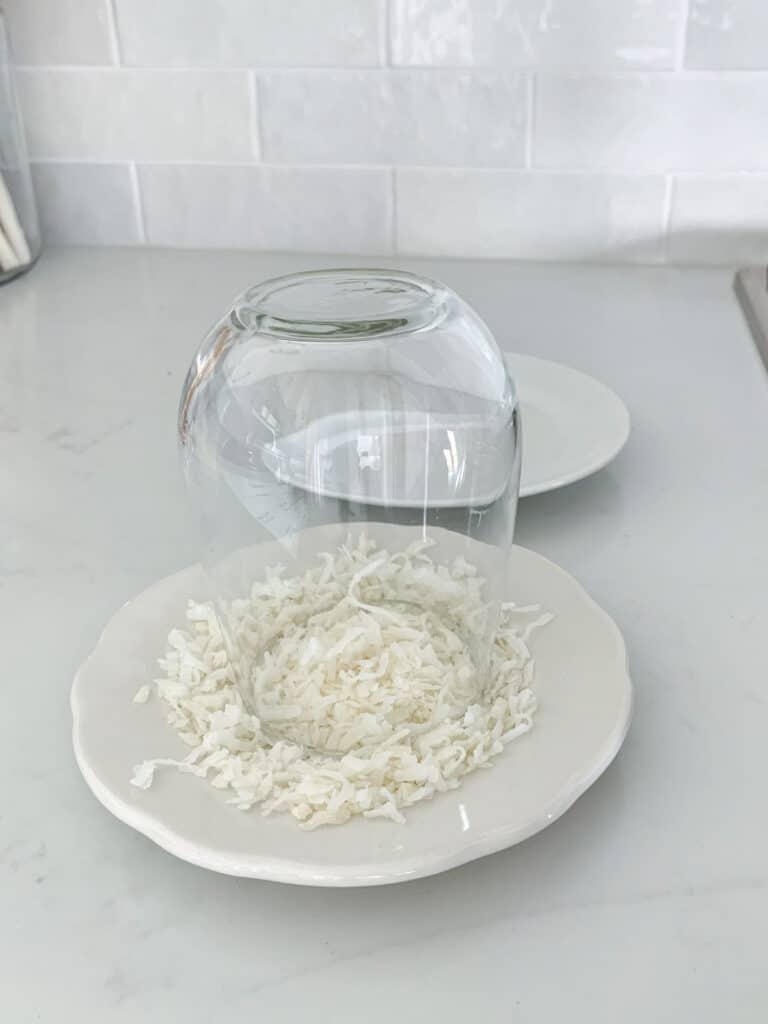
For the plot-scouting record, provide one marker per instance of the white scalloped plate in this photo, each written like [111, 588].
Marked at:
[585, 696]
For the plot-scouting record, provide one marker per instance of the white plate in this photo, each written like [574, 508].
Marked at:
[572, 424]
[585, 696]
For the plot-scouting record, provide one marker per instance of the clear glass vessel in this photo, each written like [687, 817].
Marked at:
[19, 231]
[331, 417]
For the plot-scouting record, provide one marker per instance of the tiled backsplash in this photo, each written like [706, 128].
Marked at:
[575, 129]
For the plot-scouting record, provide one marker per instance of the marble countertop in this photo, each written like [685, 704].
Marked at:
[647, 901]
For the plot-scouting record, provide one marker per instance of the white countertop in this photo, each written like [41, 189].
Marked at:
[648, 901]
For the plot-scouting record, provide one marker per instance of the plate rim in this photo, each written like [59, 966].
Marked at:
[588, 468]
[298, 872]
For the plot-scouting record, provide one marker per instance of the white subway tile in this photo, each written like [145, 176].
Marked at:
[548, 33]
[86, 204]
[421, 117]
[720, 219]
[187, 33]
[136, 115]
[521, 215]
[651, 123]
[309, 209]
[727, 34]
[59, 31]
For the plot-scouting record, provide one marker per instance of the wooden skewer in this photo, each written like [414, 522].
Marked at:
[9, 224]
[8, 258]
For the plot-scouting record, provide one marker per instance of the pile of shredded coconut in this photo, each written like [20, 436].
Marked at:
[363, 675]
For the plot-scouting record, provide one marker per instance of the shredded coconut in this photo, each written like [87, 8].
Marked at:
[142, 695]
[365, 683]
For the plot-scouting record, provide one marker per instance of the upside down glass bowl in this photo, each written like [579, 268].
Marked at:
[342, 407]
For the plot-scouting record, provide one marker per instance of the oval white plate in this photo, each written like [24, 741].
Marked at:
[585, 699]
[572, 424]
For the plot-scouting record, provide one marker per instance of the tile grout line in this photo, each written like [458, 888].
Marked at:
[385, 21]
[393, 231]
[255, 125]
[563, 71]
[682, 36]
[479, 169]
[114, 35]
[666, 216]
[530, 110]
[138, 203]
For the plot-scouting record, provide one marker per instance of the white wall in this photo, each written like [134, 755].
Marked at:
[579, 129]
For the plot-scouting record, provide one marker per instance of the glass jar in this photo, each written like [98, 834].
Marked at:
[19, 231]
[358, 428]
